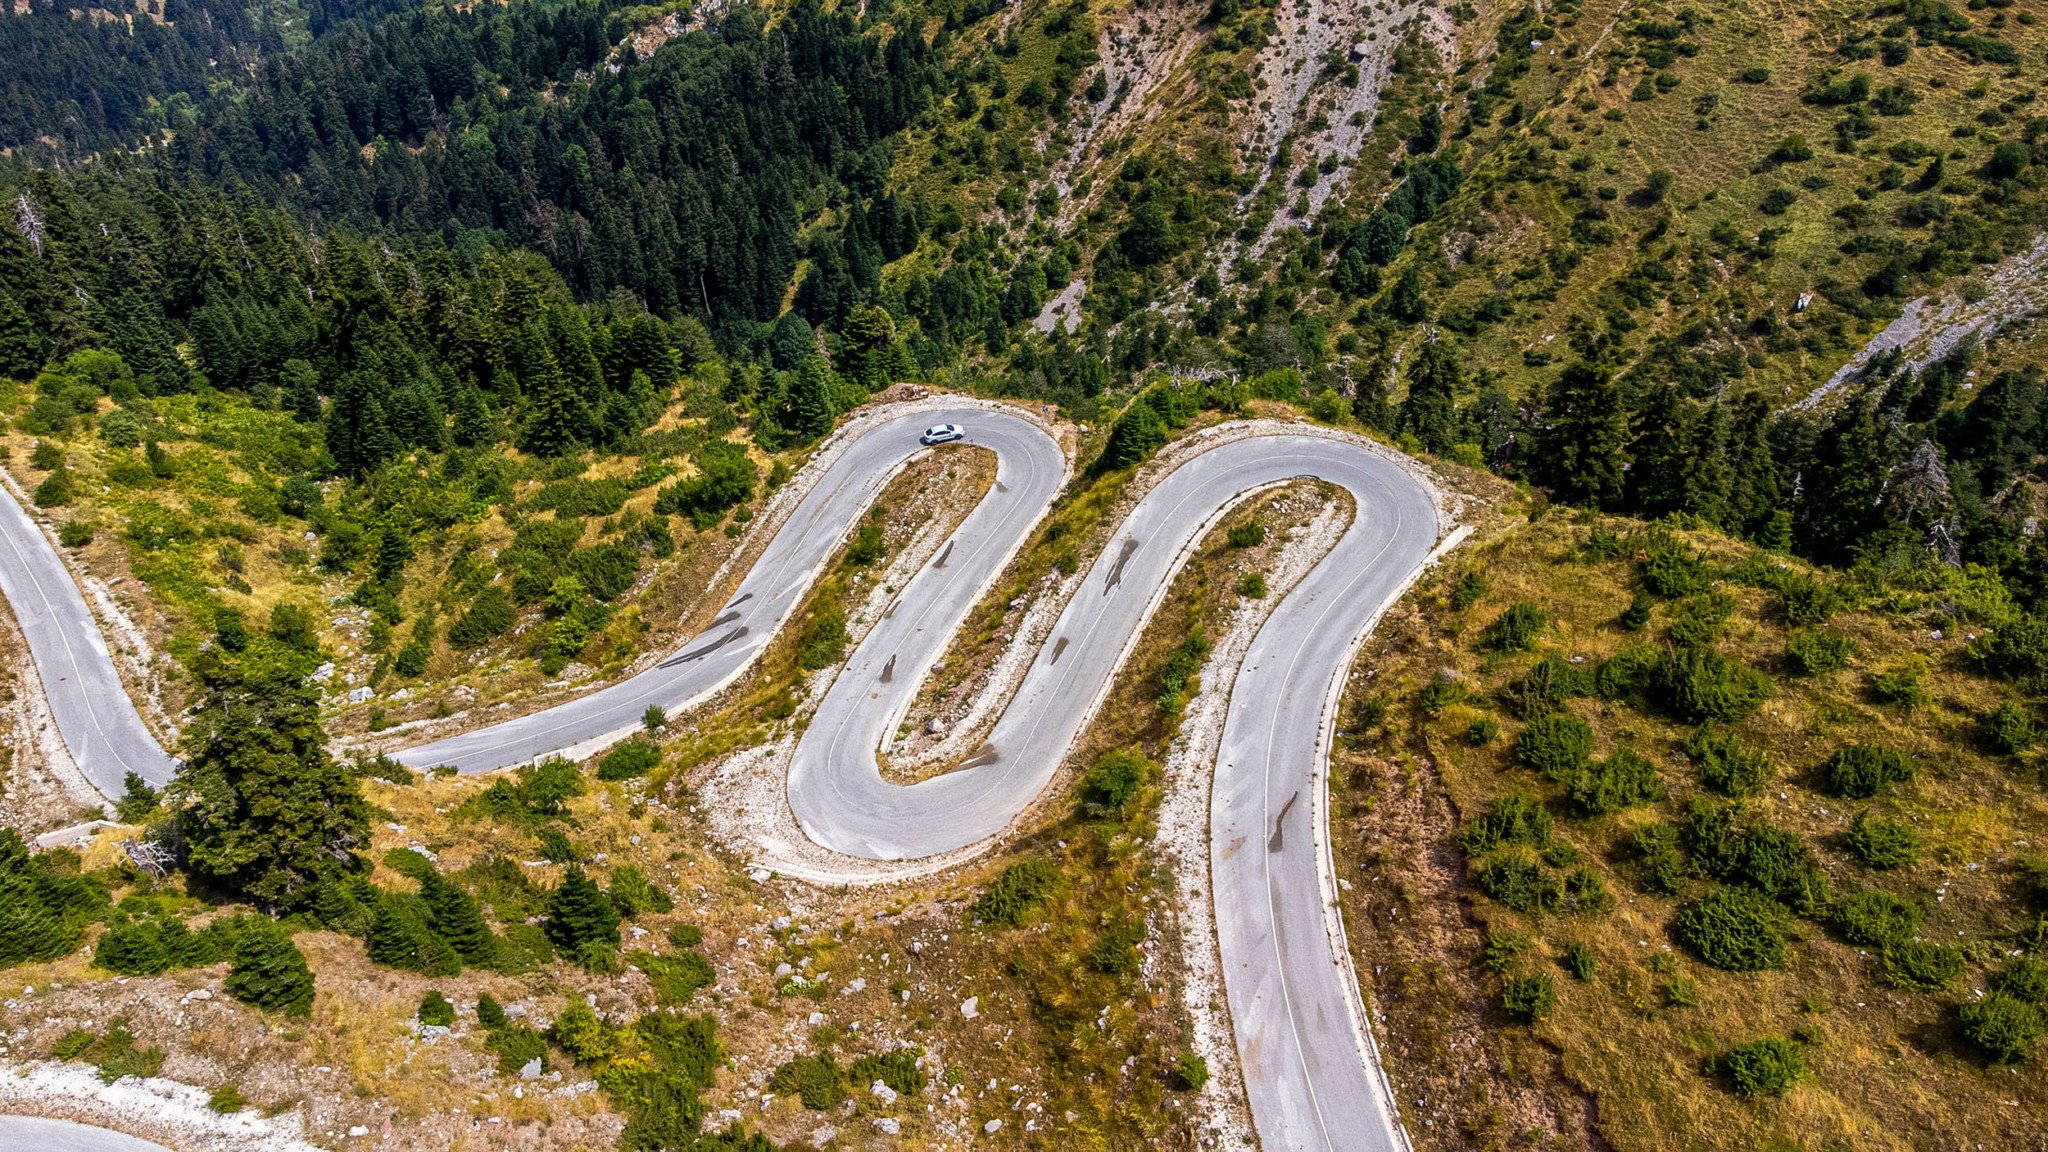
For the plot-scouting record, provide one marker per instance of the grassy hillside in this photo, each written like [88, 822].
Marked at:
[1665, 901]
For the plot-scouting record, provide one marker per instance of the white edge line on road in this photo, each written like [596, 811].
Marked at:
[1333, 914]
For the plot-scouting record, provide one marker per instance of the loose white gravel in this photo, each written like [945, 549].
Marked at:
[156, 1109]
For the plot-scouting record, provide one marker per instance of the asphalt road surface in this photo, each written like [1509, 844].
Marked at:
[1030, 470]
[35, 1134]
[94, 713]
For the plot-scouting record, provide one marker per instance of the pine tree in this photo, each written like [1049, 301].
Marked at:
[1659, 472]
[299, 388]
[270, 972]
[263, 809]
[401, 938]
[475, 427]
[1842, 487]
[1585, 438]
[132, 949]
[458, 920]
[435, 1010]
[21, 344]
[1405, 302]
[808, 411]
[43, 908]
[558, 422]
[1754, 490]
[1430, 411]
[579, 912]
[358, 436]
[338, 907]
[1369, 403]
[138, 800]
[1138, 433]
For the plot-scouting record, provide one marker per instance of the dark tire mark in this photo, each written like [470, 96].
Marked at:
[1280, 822]
[708, 649]
[1059, 648]
[1116, 574]
[889, 670]
[986, 754]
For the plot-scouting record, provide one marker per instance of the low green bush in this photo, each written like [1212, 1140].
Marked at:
[1586, 891]
[1817, 651]
[2009, 728]
[1249, 534]
[1471, 586]
[1861, 771]
[1528, 998]
[1882, 844]
[1662, 863]
[1904, 688]
[633, 894]
[813, 1079]
[1018, 892]
[1629, 673]
[897, 1069]
[1443, 692]
[1621, 781]
[436, 1010]
[1875, 919]
[1725, 765]
[1781, 865]
[1516, 880]
[1557, 745]
[821, 642]
[1640, 607]
[1115, 779]
[489, 616]
[2027, 979]
[1546, 687]
[1511, 818]
[1673, 570]
[1482, 731]
[1733, 929]
[2005, 1027]
[1515, 630]
[1703, 684]
[516, 1046]
[675, 979]
[1921, 964]
[1765, 1067]
[631, 759]
[1701, 620]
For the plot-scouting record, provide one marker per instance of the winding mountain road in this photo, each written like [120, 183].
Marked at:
[1310, 1067]
[95, 715]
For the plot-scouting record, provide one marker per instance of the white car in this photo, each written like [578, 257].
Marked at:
[941, 434]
